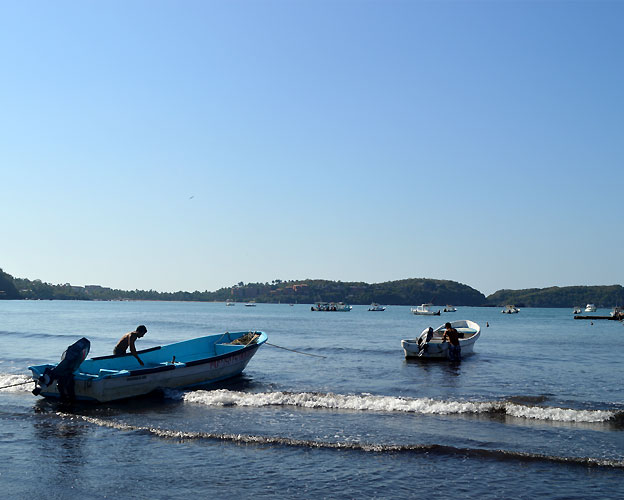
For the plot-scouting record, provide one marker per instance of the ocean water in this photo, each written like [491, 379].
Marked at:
[537, 411]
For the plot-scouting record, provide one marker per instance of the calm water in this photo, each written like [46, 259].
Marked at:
[537, 411]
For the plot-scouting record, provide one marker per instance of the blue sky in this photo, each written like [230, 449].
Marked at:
[192, 145]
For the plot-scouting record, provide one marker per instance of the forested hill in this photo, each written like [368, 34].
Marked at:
[413, 291]
[403, 292]
[7, 287]
[568, 296]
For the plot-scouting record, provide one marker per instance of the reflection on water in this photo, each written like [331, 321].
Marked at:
[61, 443]
[54, 433]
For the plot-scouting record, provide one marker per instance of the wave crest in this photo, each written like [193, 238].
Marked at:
[15, 383]
[364, 447]
[368, 402]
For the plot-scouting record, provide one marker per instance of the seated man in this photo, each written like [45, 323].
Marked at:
[128, 340]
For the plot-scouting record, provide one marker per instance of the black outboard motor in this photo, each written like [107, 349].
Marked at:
[63, 373]
[424, 340]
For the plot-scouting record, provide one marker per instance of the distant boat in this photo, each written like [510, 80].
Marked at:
[577, 310]
[425, 310]
[331, 306]
[430, 345]
[617, 313]
[250, 304]
[230, 303]
[590, 308]
[376, 307]
[450, 309]
[510, 309]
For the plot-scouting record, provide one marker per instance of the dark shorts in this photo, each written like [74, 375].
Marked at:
[454, 352]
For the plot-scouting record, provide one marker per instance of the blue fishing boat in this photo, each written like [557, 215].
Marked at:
[180, 365]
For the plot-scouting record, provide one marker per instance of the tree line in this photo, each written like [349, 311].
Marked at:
[412, 291]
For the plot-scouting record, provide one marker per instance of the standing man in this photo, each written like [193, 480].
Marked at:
[128, 340]
[454, 349]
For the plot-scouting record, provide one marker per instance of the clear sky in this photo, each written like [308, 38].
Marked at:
[191, 145]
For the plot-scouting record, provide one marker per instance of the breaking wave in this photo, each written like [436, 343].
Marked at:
[15, 383]
[363, 447]
[369, 402]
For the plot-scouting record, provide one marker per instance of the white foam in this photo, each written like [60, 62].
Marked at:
[558, 414]
[367, 447]
[11, 380]
[367, 402]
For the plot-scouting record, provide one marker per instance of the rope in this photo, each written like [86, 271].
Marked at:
[292, 350]
[14, 385]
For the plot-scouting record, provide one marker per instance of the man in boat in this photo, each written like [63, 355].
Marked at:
[128, 340]
[452, 336]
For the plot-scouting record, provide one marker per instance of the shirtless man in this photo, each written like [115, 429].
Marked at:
[128, 340]
[454, 349]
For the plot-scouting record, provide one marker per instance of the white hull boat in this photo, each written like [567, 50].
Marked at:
[376, 307]
[510, 310]
[430, 345]
[590, 308]
[425, 310]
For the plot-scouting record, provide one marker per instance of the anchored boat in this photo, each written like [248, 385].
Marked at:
[376, 307]
[429, 344]
[510, 309]
[425, 310]
[331, 306]
[180, 365]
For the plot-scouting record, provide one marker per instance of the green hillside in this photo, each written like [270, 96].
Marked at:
[569, 296]
[403, 292]
[7, 287]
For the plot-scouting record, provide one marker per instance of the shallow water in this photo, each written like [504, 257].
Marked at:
[536, 411]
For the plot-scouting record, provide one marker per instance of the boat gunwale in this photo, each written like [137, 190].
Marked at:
[142, 351]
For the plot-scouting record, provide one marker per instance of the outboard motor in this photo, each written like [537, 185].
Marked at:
[423, 340]
[63, 373]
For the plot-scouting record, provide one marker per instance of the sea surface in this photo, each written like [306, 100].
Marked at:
[536, 412]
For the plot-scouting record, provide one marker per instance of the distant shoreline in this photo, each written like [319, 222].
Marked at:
[489, 306]
[406, 292]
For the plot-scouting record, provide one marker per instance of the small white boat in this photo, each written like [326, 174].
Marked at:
[250, 304]
[331, 306]
[450, 309]
[230, 303]
[376, 307]
[577, 310]
[429, 344]
[590, 308]
[510, 309]
[181, 365]
[425, 310]
[617, 313]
